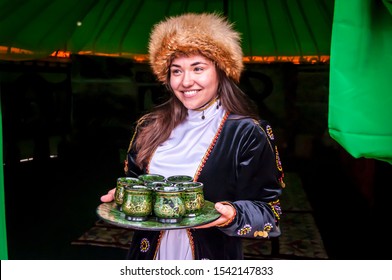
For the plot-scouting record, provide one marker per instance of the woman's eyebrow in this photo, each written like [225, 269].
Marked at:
[193, 64]
[198, 62]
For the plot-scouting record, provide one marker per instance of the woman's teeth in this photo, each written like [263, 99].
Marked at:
[190, 93]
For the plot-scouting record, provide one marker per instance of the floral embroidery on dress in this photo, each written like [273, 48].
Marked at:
[265, 232]
[245, 230]
[268, 227]
[260, 233]
[144, 245]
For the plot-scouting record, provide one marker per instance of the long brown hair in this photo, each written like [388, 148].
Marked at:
[155, 127]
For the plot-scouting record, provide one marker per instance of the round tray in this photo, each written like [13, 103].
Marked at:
[110, 214]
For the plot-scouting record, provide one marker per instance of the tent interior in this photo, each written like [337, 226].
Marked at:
[74, 78]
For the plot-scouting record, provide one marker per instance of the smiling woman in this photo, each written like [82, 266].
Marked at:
[272, 31]
[209, 130]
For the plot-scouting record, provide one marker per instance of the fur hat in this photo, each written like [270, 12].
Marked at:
[208, 34]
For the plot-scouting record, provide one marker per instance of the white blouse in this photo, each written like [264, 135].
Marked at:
[181, 154]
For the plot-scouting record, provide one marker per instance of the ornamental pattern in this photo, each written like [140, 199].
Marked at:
[269, 132]
[144, 245]
[275, 207]
[245, 230]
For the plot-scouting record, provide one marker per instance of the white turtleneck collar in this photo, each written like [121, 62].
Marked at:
[210, 112]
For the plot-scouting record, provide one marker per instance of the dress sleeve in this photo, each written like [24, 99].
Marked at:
[259, 186]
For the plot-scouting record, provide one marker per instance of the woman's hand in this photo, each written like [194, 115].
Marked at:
[109, 196]
[227, 214]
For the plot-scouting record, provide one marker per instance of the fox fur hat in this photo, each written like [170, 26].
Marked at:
[208, 34]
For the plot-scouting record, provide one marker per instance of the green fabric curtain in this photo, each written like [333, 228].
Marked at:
[3, 231]
[360, 100]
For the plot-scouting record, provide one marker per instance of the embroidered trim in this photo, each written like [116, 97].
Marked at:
[134, 134]
[275, 207]
[271, 136]
[245, 230]
[269, 132]
[265, 232]
[260, 233]
[144, 245]
[278, 162]
[130, 147]
[209, 150]
[259, 125]
[191, 243]
[158, 244]
[282, 183]
[268, 227]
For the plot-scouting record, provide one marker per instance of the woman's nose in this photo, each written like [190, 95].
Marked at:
[187, 80]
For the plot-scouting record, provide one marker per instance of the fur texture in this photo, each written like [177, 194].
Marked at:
[208, 34]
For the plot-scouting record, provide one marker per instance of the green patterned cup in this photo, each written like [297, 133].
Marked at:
[123, 182]
[148, 178]
[193, 197]
[169, 206]
[137, 205]
[156, 184]
[175, 179]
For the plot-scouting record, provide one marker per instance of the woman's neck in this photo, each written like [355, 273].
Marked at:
[207, 105]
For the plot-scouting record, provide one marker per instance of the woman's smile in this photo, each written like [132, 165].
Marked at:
[190, 93]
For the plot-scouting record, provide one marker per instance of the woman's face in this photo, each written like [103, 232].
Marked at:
[194, 80]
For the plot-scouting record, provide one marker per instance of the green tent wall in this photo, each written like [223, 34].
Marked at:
[3, 232]
[360, 98]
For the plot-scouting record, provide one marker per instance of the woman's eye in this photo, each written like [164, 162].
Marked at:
[198, 69]
[175, 71]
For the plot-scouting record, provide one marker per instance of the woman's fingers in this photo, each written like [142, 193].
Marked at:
[224, 209]
[227, 213]
[109, 196]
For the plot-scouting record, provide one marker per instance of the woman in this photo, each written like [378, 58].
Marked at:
[208, 129]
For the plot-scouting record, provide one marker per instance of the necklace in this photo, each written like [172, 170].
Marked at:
[208, 105]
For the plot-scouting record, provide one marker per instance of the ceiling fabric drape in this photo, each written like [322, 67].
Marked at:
[270, 28]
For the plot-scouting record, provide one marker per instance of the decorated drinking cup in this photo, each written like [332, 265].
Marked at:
[169, 206]
[122, 183]
[193, 197]
[148, 178]
[175, 179]
[137, 205]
